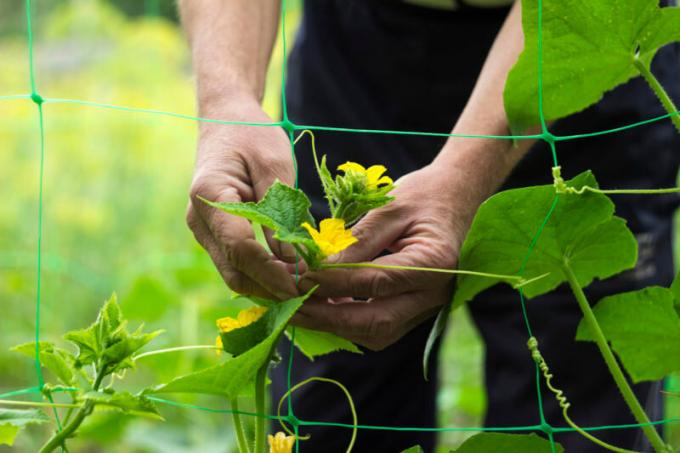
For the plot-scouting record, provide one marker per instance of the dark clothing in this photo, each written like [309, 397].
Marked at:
[379, 64]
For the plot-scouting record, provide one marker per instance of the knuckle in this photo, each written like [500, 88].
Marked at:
[200, 187]
[380, 325]
[237, 282]
[378, 283]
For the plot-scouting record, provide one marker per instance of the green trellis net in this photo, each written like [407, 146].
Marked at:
[152, 8]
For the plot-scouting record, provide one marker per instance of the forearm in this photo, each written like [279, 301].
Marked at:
[231, 42]
[479, 166]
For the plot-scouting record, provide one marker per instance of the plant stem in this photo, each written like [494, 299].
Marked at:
[238, 426]
[612, 364]
[415, 268]
[175, 349]
[59, 438]
[260, 384]
[658, 89]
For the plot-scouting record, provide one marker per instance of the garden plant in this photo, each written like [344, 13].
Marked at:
[532, 238]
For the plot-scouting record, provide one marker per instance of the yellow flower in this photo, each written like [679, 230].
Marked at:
[218, 345]
[244, 318]
[281, 443]
[374, 177]
[332, 236]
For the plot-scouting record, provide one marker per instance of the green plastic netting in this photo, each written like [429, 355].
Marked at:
[153, 7]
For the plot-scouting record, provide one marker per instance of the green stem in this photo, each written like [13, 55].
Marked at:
[238, 426]
[416, 268]
[59, 438]
[612, 364]
[355, 419]
[260, 384]
[658, 89]
[175, 349]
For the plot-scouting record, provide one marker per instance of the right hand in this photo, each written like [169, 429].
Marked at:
[238, 164]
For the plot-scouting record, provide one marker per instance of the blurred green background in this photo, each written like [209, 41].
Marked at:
[116, 187]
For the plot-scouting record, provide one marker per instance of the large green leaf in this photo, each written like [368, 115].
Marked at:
[235, 376]
[644, 330]
[589, 47]
[13, 420]
[582, 231]
[313, 343]
[283, 209]
[125, 402]
[507, 443]
[59, 361]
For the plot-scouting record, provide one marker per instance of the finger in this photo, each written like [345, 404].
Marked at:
[375, 233]
[234, 279]
[380, 343]
[235, 236]
[225, 228]
[376, 318]
[285, 252]
[249, 257]
[369, 282]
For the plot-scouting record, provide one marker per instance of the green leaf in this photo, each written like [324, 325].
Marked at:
[675, 288]
[507, 443]
[238, 341]
[107, 341]
[438, 329]
[283, 209]
[414, 449]
[589, 47]
[125, 402]
[643, 329]
[235, 376]
[13, 420]
[8, 433]
[118, 356]
[59, 361]
[313, 343]
[582, 231]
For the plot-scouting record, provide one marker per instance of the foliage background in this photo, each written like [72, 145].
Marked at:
[115, 193]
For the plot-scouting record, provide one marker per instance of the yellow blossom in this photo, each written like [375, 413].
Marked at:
[218, 345]
[244, 318]
[332, 237]
[374, 173]
[281, 443]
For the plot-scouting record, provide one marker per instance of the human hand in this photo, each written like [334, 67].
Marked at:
[235, 164]
[424, 226]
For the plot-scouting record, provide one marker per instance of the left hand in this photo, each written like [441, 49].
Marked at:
[424, 226]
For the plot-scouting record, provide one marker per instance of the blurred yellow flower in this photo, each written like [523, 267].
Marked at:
[244, 318]
[281, 443]
[218, 345]
[332, 237]
[374, 173]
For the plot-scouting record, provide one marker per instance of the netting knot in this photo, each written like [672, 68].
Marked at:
[548, 137]
[292, 420]
[547, 428]
[288, 125]
[36, 98]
